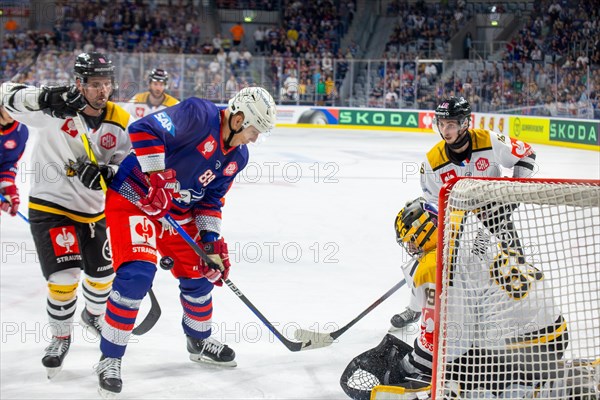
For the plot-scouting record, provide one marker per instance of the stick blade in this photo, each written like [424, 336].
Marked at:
[313, 340]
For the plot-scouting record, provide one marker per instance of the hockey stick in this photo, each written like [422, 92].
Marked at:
[314, 340]
[292, 346]
[151, 318]
[154, 314]
[18, 212]
[24, 69]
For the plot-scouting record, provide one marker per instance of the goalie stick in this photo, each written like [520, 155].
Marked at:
[154, 314]
[292, 346]
[315, 340]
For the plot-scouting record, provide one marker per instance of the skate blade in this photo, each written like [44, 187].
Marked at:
[107, 394]
[394, 329]
[206, 360]
[52, 372]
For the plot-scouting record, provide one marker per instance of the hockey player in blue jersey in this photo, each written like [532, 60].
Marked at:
[13, 137]
[185, 160]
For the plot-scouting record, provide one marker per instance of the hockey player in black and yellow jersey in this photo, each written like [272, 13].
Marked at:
[398, 367]
[66, 204]
[470, 152]
[155, 99]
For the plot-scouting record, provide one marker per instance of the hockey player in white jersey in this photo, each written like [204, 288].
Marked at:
[520, 352]
[154, 99]
[394, 362]
[467, 152]
[66, 204]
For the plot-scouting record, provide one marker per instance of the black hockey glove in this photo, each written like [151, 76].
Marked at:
[89, 174]
[61, 101]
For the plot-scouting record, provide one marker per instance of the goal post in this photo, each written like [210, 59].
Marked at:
[518, 289]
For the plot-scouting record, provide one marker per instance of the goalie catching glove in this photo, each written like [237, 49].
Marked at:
[218, 253]
[61, 101]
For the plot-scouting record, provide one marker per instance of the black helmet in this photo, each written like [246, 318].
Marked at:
[158, 75]
[93, 64]
[454, 108]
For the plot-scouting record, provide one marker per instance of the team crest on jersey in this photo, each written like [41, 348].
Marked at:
[108, 141]
[230, 169]
[64, 241]
[10, 144]
[208, 147]
[446, 176]
[139, 112]
[69, 127]
[142, 231]
[482, 164]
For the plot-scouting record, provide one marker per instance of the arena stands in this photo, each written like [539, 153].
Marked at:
[549, 65]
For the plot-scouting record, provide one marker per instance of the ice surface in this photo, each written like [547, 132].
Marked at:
[310, 230]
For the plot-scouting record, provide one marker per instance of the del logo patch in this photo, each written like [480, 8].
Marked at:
[10, 144]
[207, 147]
[139, 112]
[64, 241]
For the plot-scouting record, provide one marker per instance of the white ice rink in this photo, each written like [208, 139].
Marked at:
[310, 231]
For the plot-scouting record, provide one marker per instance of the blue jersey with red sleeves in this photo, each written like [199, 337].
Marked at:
[187, 138]
[13, 138]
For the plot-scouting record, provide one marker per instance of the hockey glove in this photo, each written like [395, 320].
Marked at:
[217, 251]
[11, 193]
[158, 200]
[61, 101]
[89, 174]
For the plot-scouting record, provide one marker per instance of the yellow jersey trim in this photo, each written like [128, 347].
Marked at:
[57, 211]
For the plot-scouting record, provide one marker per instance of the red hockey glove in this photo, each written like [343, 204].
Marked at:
[11, 193]
[158, 200]
[218, 253]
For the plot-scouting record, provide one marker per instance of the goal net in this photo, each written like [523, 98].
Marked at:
[518, 288]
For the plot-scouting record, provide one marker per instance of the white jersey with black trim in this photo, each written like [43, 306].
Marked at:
[139, 106]
[55, 188]
[494, 302]
[490, 152]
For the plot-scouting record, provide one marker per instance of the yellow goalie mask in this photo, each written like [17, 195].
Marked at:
[416, 226]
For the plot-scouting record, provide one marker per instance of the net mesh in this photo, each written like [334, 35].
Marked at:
[519, 290]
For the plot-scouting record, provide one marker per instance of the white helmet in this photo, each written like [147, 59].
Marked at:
[258, 108]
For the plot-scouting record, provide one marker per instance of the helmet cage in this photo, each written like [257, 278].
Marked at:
[416, 227]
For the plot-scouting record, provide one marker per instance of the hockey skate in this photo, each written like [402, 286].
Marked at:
[55, 355]
[91, 323]
[403, 319]
[210, 351]
[109, 377]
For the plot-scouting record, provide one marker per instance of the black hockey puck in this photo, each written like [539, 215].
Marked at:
[166, 263]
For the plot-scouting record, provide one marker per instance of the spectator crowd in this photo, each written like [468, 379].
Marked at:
[553, 59]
